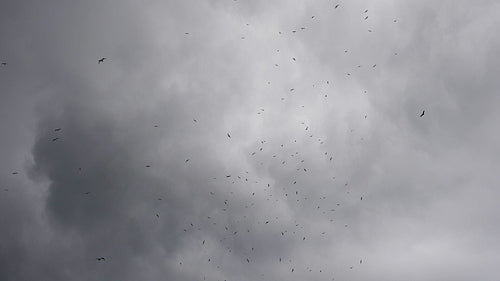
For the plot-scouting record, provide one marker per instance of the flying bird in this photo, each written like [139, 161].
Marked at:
[4, 63]
[100, 60]
[423, 112]
[336, 6]
[100, 259]
[57, 129]
[228, 135]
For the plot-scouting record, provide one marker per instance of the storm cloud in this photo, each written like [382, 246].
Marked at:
[249, 140]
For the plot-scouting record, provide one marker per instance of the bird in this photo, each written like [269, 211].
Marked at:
[100, 258]
[228, 135]
[187, 160]
[4, 63]
[336, 6]
[14, 173]
[54, 139]
[423, 112]
[87, 193]
[100, 60]
[57, 129]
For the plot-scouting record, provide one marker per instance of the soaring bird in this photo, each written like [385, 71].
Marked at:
[423, 112]
[57, 129]
[4, 63]
[54, 139]
[100, 259]
[100, 60]
[336, 6]
[228, 135]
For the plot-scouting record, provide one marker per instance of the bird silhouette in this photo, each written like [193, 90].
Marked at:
[423, 112]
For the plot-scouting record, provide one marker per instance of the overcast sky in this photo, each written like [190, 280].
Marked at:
[249, 140]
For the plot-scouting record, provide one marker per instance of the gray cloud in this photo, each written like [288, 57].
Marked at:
[322, 107]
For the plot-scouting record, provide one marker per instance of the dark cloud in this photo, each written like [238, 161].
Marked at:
[131, 177]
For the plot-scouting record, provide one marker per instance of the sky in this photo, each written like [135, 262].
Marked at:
[249, 140]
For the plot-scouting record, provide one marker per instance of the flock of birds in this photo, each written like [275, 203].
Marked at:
[231, 233]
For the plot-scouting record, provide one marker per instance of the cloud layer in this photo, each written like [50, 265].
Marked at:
[249, 140]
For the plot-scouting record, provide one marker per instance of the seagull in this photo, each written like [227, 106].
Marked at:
[100, 60]
[100, 259]
[423, 112]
